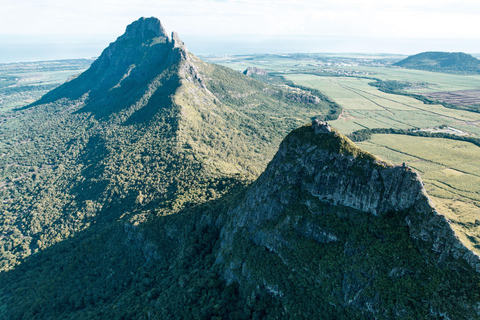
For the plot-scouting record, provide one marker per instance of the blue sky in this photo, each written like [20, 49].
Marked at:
[419, 21]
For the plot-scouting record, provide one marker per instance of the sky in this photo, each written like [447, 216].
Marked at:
[406, 26]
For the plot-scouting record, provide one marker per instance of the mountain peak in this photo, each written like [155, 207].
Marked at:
[144, 28]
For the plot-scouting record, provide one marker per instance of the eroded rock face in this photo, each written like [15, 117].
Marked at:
[128, 66]
[340, 179]
[144, 28]
[254, 70]
[316, 167]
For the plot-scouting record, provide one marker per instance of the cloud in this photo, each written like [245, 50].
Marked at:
[369, 18]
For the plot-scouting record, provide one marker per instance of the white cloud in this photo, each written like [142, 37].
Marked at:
[372, 18]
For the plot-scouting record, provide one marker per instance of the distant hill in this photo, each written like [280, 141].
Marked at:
[450, 62]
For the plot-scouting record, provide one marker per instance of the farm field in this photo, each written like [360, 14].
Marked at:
[367, 107]
[435, 81]
[459, 98]
[450, 171]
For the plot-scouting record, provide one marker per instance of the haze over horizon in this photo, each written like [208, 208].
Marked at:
[55, 29]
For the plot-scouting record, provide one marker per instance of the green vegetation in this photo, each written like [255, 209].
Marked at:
[455, 62]
[164, 268]
[92, 174]
[24, 83]
[373, 260]
[150, 146]
[365, 134]
[357, 259]
[114, 188]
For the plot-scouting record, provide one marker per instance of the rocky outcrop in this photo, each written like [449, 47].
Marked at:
[254, 70]
[303, 97]
[126, 67]
[144, 29]
[317, 167]
[321, 126]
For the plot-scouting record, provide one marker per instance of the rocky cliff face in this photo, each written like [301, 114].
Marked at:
[129, 69]
[144, 28]
[319, 187]
[254, 70]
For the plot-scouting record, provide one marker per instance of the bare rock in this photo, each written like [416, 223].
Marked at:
[321, 126]
[254, 70]
[144, 28]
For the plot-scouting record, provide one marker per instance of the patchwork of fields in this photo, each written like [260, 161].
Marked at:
[459, 98]
[367, 107]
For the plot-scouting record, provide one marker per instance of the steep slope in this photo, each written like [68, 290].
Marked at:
[327, 231]
[148, 127]
[330, 231]
[94, 166]
[451, 62]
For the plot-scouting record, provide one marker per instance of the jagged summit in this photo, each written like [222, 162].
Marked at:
[144, 28]
[128, 71]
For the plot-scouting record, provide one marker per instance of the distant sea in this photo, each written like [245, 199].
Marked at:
[19, 48]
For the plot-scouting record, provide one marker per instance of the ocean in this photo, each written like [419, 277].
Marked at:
[19, 48]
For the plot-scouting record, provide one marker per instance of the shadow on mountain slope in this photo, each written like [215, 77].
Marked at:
[163, 267]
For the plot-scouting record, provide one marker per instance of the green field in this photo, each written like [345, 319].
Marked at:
[367, 107]
[435, 81]
[450, 170]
